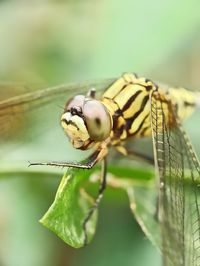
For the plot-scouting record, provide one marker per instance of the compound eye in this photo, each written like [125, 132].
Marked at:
[77, 101]
[97, 119]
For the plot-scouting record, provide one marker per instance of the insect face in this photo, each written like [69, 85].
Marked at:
[86, 121]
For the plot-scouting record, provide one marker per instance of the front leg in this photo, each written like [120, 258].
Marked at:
[94, 158]
[98, 155]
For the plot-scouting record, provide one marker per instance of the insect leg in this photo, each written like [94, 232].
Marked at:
[86, 164]
[140, 156]
[135, 154]
[98, 199]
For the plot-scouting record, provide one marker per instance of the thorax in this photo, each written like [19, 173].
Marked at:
[128, 101]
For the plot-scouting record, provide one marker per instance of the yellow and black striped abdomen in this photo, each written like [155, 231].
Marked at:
[128, 101]
[184, 100]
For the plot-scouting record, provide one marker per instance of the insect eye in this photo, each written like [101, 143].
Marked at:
[97, 119]
[76, 101]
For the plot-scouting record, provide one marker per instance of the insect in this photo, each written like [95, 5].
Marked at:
[133, 107]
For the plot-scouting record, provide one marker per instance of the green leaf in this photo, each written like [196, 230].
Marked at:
[66, 215]
[143, 204]
[140, 186]
[71, 205]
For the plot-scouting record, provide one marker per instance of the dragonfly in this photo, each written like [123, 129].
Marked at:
[132, 108]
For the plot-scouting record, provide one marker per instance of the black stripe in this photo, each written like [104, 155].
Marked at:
[120, 91]
[131, 120]
[131, 100]
[188, 104]
[118, 132]
[140, 126]
[115, 118]
[148, 88]
[70, 123]
[148, 80]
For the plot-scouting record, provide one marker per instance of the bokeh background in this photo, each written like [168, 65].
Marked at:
[56, 42]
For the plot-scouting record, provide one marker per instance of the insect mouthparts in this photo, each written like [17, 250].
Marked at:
[75, 110]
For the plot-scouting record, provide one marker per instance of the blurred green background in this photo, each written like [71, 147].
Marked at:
[55, 42]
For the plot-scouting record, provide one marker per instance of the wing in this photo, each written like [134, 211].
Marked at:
[25, 113]
[179, 186]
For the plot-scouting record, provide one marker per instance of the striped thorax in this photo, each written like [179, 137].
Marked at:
[122, 112]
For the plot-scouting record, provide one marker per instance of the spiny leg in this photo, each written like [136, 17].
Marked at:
[98, 199]
[86, 164]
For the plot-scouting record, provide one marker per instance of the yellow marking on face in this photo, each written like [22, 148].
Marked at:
[75, 129]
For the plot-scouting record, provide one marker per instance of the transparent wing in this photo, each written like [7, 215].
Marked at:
[25, 113]
[179, 191]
